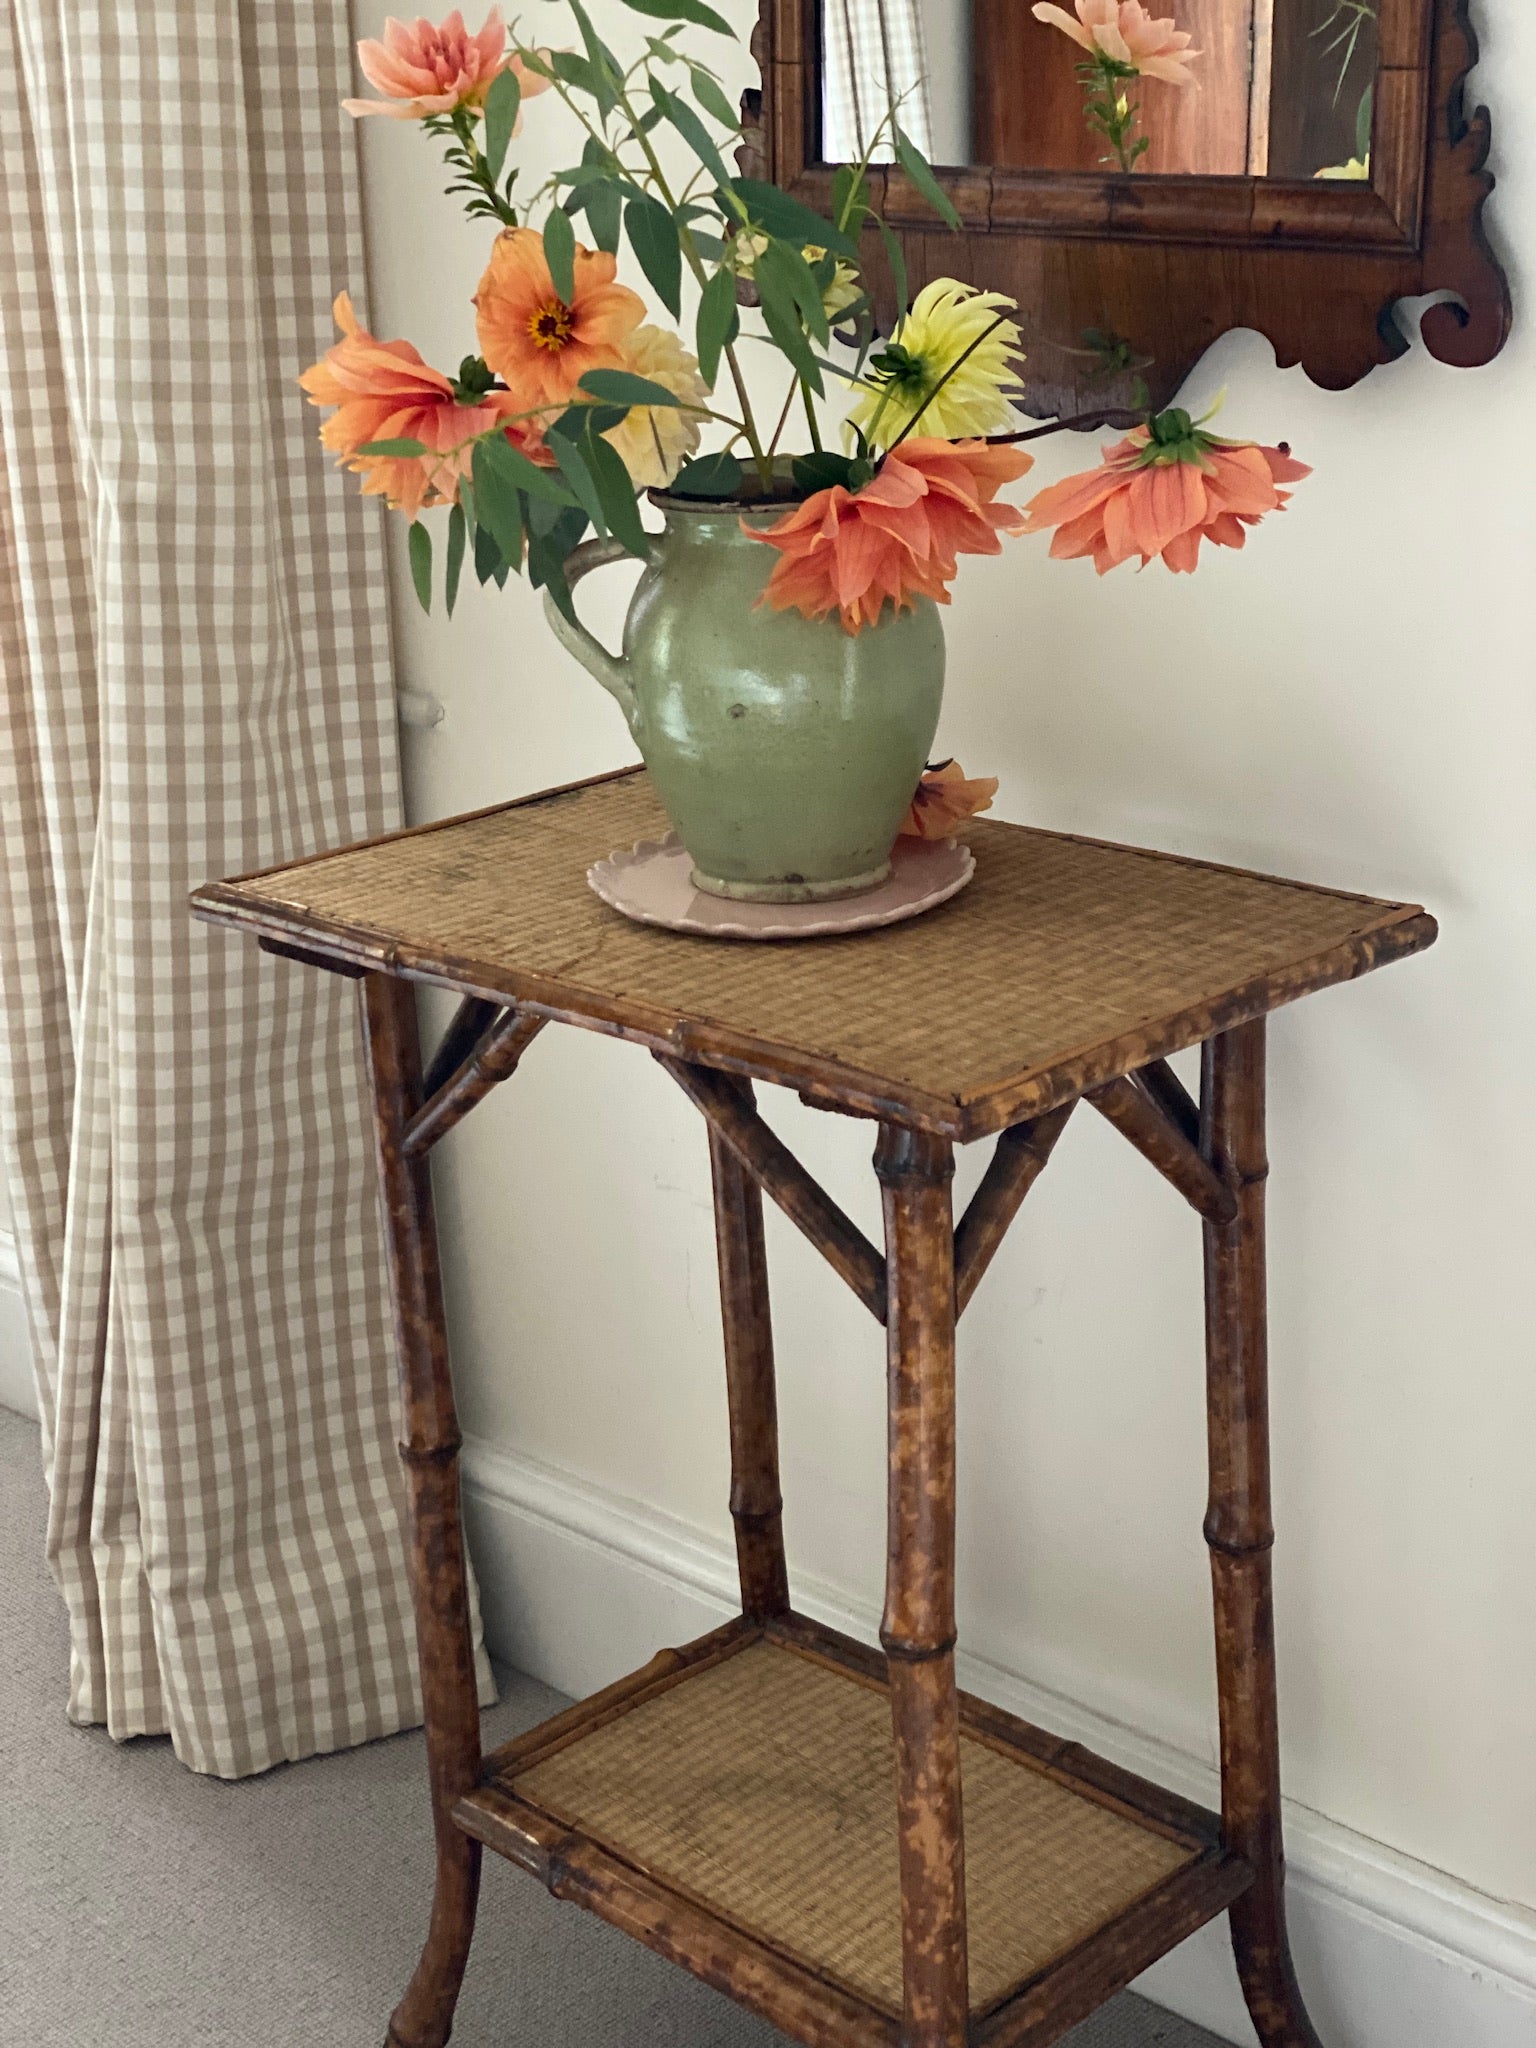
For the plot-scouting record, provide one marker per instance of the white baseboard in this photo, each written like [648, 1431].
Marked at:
[18, 1389]
[579, 1585]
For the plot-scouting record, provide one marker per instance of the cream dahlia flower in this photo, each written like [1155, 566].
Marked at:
[655, 441]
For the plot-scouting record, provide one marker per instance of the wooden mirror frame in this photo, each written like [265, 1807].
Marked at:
[1171, 263]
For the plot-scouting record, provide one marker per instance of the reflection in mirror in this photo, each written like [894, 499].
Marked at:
[1217, 88]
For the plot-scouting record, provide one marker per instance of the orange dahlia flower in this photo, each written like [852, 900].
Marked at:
[531, 338]
[899, 537]
[424, 70]
[1164, 497]
[383, 391]
[945, 799]
[1125, 32]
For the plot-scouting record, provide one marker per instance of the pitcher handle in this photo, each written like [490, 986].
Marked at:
[611, 670]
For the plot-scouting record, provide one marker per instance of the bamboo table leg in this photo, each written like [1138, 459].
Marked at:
[756, 1504]
[429, 1449]
[918, 1629]
[1240, 1532]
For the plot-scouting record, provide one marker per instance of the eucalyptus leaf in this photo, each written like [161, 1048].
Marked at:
[652, 232]
[421, 563]
[502, 105]
[616, 490]
[713, 100]
[824, 468]
[690, 127]
[571, 456]
[790, 219]
[606, 69]
[790, 271]
[604, 214]
[623, 387]
[513, 466]
[489, 560]
[560, 255]
[683, 10]
[573, 70]
[709, 476]
[458, 534]
[498, 503]
[717, 323]
[916, 166]
[898, 263]
[400, 448]
[781, 315]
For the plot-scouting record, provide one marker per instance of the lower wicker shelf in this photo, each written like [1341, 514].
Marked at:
[733, 1807]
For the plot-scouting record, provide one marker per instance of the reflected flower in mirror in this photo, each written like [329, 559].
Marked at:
[1123, 42]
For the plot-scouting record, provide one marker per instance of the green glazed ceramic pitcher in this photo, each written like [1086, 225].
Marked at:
[784, 750]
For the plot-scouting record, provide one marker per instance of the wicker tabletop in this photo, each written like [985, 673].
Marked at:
[1066, 962]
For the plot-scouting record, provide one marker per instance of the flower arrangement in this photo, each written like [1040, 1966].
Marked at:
[576, 401]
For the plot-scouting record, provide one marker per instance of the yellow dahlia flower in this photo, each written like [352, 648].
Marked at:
[946, 319]
[654, 441]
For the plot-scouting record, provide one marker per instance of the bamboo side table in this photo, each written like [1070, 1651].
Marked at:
[834, 1835]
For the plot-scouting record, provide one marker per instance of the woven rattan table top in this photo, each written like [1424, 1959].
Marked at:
[1065, 963]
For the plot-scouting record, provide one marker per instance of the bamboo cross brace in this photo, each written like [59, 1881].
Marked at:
[1171, 1097]
[779, 1173]
[1018, 1160]
[1138, 1117]
[470, 1022]
[494, 1058]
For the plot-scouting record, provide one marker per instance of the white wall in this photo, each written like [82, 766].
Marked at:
[1350, 701]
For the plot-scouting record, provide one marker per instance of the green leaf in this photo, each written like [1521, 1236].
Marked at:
[616, 489]
[709, 476]
[573, 70]
[915, 164]
[622, 387]
[547, 554]
[421, 563]
[718, 322]
[502, 105]
[713, 100]
[790, 220]
[467, 500]
[790, 271]
[606, 70]
[819, 471]
[489, 560]
[849, 206]
[560, 255]
[603, 213]
[782, 318]
[458, 534]
[571, 457]
[653, 237]
[402, 448]
[514, 467]
[683, 10]
[497, 501]
[898, 263]
[691, 128]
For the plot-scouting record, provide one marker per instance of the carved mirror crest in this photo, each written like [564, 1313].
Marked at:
[1323, 167]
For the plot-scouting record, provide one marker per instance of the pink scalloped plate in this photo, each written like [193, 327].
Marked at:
[653, 884]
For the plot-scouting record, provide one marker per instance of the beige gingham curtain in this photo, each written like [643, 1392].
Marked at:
[196, 681]
[873, 61]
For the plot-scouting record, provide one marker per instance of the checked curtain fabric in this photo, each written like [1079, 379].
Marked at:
[197, 681]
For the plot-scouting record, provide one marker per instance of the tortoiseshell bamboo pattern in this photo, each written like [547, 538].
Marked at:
[1214, 1155]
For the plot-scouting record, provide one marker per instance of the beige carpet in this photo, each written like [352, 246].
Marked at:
[141, 1907]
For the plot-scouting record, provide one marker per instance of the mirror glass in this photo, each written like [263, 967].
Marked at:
[1218, 88]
